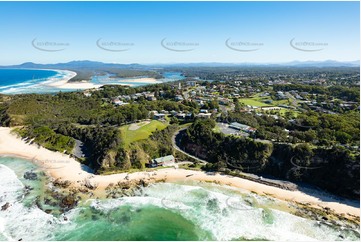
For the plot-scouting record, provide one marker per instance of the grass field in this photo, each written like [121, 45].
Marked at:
[253, 102]
[258, 101]
[274, 102]
[143, 132]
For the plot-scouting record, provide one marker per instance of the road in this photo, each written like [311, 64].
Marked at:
[267, 181]
[175, 146]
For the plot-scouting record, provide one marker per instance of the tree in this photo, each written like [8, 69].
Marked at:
[237, 105]
[343, 137]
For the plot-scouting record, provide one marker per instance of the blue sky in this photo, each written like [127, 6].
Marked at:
[330, 28]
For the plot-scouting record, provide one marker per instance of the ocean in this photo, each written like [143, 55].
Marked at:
[20, 81]
[161, 211]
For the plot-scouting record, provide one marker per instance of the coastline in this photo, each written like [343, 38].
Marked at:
[62, 83]
[49, 83]
[84, 84]
[141, 80]
[63, 167]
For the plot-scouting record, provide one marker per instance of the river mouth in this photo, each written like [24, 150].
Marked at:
[162, 211]
[46, 81]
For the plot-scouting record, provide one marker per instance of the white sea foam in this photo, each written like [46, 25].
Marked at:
[207, 206]
[209, 209]
[17, 221]
[38, 85]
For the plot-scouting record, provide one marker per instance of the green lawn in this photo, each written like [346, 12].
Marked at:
[145, 130]
[256, 100]
[282, 112]
[253, 102]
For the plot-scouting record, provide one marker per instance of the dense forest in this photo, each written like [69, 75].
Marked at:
[201, 140]
[56, 121]
[333, 168]
[349, 93]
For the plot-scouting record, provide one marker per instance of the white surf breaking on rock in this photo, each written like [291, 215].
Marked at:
[17, 221]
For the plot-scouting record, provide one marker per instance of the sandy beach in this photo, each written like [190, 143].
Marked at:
[62, 166]
[142, 80]
[65, 84]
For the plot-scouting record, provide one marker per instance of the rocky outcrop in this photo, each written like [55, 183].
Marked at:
[60, 183]
[90, 184]
[5, 206]
[30, 175]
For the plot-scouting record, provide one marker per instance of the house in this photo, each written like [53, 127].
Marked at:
[151, 98]
[179, 98]
[281, 95]
[168, 160]
[204, 115]
[159, 116]
[181, 115]
[192, 83]
[153, 112]
[87, 94]
[242, 127]
[270, 108]
[224, 101]
[164, 111]
[264, 94]
[117, 102]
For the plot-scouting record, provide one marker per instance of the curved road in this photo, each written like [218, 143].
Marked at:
[267, 181]
[175, 146]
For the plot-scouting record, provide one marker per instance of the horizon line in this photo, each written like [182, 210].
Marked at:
[180, 63]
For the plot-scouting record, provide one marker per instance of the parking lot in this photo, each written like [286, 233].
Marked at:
[224, 128]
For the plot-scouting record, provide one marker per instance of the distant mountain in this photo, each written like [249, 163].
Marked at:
[93, 65]
[77, 65]
[328, 63]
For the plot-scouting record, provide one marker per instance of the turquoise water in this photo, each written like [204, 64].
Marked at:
[108, 79]
[162, 211]
[127, 222]
[17, 81]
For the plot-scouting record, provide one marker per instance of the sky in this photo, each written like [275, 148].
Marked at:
[179, 32]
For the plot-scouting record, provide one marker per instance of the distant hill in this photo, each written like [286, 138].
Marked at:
[96, 65]
[328, 63]
[77, 65]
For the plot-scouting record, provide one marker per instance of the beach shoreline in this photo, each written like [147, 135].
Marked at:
[86, 84]
[63, 167]
[61, 81]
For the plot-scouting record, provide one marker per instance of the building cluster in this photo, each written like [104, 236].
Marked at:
[242, 127]
[124, 99]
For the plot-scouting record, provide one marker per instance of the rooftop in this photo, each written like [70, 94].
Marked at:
[164, 159]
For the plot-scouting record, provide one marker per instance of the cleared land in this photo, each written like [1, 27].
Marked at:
[258, 101]
[143, 132]
[253, 102]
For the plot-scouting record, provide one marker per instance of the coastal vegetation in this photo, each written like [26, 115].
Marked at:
[309, 133]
